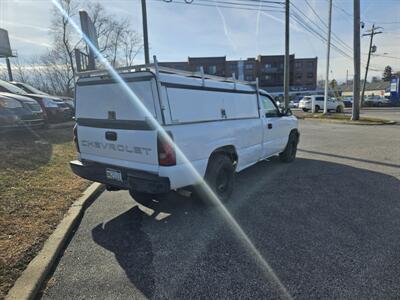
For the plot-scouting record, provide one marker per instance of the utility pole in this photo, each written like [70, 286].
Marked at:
[371, 33]
[328, 51]
[145, 35]
[286, 62]
[355, 115]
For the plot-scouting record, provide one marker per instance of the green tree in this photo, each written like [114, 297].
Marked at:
[387, 74]
[333, 84]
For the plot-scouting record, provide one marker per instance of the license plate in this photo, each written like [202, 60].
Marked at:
[113, 175]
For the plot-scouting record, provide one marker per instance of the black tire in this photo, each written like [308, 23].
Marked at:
[317, 108]
[220, 177]
[339, 109]
[289, 154]
[305, 109]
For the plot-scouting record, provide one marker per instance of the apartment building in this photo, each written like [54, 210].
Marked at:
[269, 69]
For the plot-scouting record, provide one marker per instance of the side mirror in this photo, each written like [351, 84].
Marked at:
[286, 112]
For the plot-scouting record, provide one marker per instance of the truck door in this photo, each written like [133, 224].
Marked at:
[274, 131]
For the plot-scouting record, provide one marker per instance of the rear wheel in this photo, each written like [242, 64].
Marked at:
[289, 154]
[339, 109]
[305, 109]
[317, 108]
[220, 178]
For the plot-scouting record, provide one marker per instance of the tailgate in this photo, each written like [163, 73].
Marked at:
[112, 128]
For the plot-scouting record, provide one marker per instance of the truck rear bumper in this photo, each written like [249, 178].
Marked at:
[131, 179]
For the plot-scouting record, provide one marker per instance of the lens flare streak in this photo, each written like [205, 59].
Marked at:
[266, 268]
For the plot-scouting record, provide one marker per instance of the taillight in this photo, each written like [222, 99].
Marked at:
[166, 151]
[75, 139]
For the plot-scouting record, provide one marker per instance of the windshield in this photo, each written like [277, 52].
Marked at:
[8, 87]
[30, 89]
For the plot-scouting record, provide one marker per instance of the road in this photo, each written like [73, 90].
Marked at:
[327, 225]
[390, 113]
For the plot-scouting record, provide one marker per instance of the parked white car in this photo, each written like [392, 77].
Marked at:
[333, 104]
[221, 128]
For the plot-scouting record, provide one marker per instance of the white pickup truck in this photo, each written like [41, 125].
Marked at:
[221, 126]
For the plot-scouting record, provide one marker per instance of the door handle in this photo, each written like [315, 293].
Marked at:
[269, 125]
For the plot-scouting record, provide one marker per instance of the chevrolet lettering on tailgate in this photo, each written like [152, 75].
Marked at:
[115, 147]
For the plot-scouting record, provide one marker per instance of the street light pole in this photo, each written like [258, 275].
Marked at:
[286, 62]
[145, 34]
[327, 58]
[355, 115]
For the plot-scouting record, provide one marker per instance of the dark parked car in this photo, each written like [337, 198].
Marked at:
[55, 109]
[348, 101]
[32, 90]
[19, 112]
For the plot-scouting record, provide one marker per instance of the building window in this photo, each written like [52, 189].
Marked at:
[299, 64]
[267, 66]
[248, 66]
[310, 65]
[249, 78]
[299, 75]
[310, 75]
[198, 68]
[212, 70]
[268, 77]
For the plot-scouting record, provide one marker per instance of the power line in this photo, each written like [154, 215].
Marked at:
[335, 37]
[366, 21]
[299, 20]
[220, 6]
[241, 3]
[263, 1]
[321, 36]
[343, 11]
[245, 2]
[303, 23]
[248, 6]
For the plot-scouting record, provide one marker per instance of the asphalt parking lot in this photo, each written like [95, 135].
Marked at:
[328, 225]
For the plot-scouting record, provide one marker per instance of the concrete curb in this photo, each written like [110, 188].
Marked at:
[347, 122]
[30, 281]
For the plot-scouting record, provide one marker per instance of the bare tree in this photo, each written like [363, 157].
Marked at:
[54, 72]
[132, 45]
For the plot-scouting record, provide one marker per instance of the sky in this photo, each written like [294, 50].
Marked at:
[178, 30]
